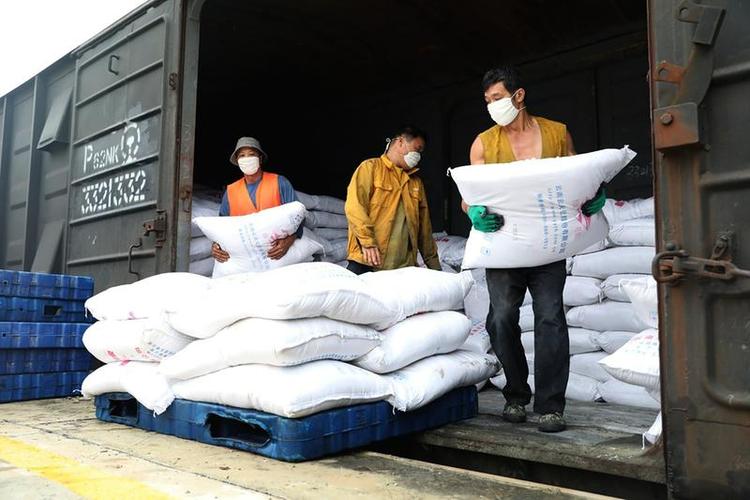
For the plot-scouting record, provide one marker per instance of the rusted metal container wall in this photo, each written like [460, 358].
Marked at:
[700, 73]
[34, 146]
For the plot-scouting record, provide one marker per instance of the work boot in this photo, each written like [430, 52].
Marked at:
[552, 422]
[514, 413]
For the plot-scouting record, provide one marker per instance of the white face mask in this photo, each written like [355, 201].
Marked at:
[412, 158]
[249, 164]
[503, 111]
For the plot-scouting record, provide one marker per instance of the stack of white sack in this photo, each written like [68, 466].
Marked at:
[626, 256]
[635, 366]
[280, 341]
[206, 203]
[431, 349]
[248, 238]
[601, 318]
[327, 219]
[132, 336]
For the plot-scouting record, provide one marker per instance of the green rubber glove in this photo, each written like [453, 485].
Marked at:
[595, 204]
[484, 221]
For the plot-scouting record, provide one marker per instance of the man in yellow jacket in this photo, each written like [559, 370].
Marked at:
[386, 204]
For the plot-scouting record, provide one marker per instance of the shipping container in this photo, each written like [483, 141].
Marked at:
[100, 154]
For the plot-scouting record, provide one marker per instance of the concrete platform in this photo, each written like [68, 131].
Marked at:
[601, 450]
[57, 449]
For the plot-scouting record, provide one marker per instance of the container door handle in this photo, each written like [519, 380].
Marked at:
[114, 64]
[130, 258]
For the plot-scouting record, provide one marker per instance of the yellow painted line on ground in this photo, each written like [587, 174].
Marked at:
[83, 480]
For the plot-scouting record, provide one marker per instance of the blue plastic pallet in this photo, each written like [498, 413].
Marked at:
[42, 310]
[14, 361]
[39, 385]
[289, 439]
[21, 335]
[43, 285]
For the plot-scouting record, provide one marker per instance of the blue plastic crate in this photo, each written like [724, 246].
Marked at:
[14, 361]
[43, 285]
[40, 385]
[289, 439]
[43, 310]
[23, 335]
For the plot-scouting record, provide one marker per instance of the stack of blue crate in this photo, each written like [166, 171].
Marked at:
[42, 320]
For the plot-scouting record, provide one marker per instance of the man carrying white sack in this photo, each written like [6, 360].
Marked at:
[386, 206]
[257, 190]
[520, 136]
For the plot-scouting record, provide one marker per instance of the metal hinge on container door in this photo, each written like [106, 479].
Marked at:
[678, 124]
[675, 263]
[158, 226]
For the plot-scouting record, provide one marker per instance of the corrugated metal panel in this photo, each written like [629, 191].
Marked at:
[702, 171]
[16, 162]
[121, 168]
[33, 182]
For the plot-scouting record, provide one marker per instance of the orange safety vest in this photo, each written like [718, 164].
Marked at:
[267, 195]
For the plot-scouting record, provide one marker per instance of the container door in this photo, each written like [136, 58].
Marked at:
[700, 78]
[121, 208]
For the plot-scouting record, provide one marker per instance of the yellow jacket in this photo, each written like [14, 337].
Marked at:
[372, 199]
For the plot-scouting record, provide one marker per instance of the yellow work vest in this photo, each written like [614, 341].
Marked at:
[497, 147]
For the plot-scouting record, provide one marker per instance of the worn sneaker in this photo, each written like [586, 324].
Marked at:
[552, 422]
[514, 413]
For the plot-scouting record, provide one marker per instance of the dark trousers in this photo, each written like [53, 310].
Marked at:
[358, 268]
[507, 288]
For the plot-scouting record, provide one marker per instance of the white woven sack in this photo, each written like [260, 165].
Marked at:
[200, 248]
[619, 211]
[654, 432]
[202, 208]
[413, 290]
[612, 289]
[526, 318]
[579, 388]
[580, 341]
[582, 291]
[643, 293]
[140, 379]
[596, 247]
[148, 297]
[321, 202]
[339, 251]
[298, 291]
[248, 238]
[541, 202]
[133, 340]
[617, 260]
[450, 248]
[636, 232]
[415, 338]
[287, 391]
[478, 340]
[611, 341]
[637, 362]
[330, 204]
[587, 364]
[272, 342]
[332, 233]
[424, 381]
[616, 392]
[316, 219]
[203, 267]
[606, 316]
